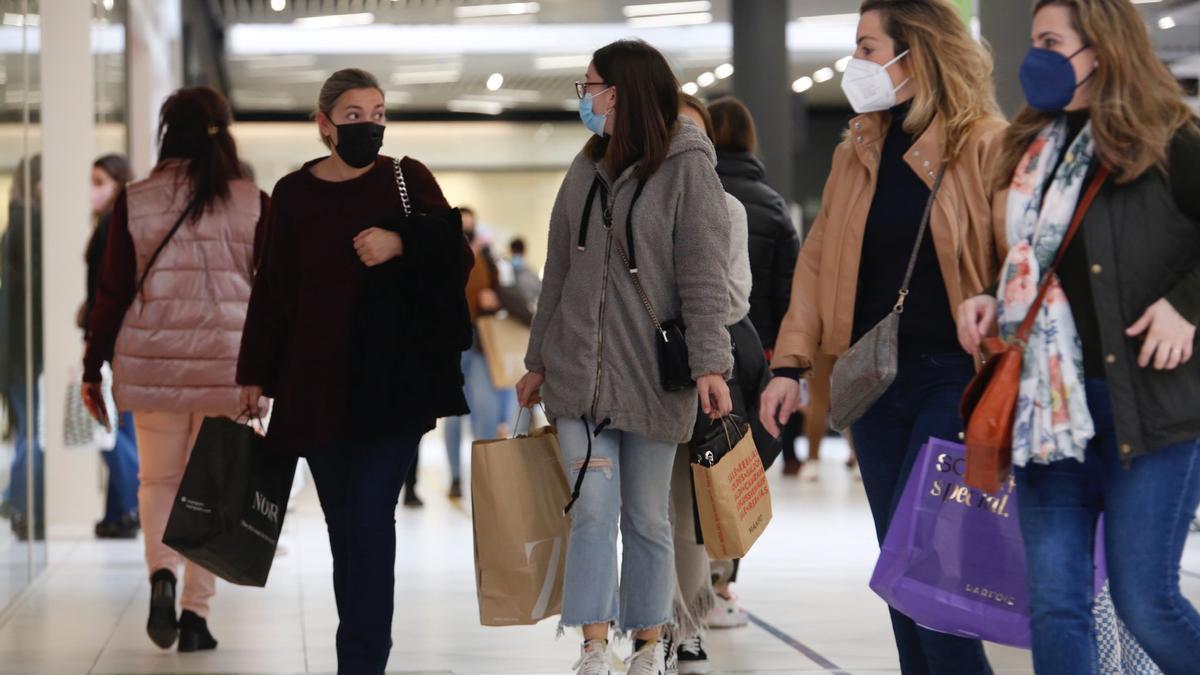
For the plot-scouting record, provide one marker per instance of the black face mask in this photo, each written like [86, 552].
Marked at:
[358, 144]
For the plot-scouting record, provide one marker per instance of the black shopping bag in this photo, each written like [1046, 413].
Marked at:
[229, 510]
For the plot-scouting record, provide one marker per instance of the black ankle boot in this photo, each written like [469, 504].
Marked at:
[193, 633]
[162, 626]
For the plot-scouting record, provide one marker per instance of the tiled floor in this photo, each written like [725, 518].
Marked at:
[805, 581]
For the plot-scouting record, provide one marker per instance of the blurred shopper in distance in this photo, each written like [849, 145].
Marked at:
[19, 277]
[491, 408]
[642, 195]
[168, 312]
[110, 174]
[340, 262]
[696, 603]
[774, 243]
[922, 87]
[1121, 433]
[526, 282]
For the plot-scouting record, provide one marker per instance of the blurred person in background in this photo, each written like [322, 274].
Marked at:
[773, 242]
[170, 302]
[491, 409]
[702, 593]
[525, 281]
[21, 277]
[110, 174]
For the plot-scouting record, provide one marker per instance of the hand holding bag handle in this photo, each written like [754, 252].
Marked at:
[989, 404]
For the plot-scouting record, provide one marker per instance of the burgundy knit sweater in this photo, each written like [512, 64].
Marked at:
[296, 341]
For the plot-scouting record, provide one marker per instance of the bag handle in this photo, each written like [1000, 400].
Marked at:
[520, 412]
[912, 258]
[402, 187]
[1026, 328]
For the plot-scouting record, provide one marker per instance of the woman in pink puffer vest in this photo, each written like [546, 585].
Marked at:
[171, 300]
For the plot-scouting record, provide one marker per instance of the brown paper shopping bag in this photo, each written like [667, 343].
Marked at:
[518, 489]
[734, 500]
[504, 341]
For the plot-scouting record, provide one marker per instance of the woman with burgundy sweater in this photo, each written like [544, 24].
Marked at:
[356, 327]
[168, 313]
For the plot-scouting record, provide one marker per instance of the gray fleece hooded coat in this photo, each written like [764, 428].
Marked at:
[592, 337]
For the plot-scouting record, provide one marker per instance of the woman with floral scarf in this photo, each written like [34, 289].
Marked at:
[1108, 418]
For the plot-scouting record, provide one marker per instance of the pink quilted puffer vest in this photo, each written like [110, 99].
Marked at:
[178, 345]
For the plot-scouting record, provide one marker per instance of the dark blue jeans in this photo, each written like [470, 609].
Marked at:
[1147, 509]
[358, 486]
[122, 462]
[921, 403]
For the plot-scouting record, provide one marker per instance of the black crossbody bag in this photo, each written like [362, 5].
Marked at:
[675, 374]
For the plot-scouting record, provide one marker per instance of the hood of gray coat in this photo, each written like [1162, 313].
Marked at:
[687, 137]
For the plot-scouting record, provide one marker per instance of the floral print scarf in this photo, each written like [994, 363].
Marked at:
[1052, 419]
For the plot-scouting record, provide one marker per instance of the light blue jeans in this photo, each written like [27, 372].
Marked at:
[628, 483]
[490, 407]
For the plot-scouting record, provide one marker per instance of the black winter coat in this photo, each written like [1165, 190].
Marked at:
[774, 244]
[410, 327]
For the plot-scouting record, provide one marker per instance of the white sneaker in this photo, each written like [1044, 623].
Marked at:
[594, 659]
[726, 614]
[651, 659]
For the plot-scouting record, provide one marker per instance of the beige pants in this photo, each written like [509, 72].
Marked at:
[165, 442]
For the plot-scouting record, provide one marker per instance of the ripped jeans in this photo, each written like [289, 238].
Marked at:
[629, 481]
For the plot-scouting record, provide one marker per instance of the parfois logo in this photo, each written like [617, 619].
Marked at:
[266, 507]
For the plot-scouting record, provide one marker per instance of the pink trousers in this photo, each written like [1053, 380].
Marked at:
[165, 442]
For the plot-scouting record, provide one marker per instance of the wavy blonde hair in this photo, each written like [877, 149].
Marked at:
[1137, 105]
[951, 72]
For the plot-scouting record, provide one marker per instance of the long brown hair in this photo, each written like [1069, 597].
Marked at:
[1136, 107]
[733, 126]
[193, 125]
[646, 110]
[951, 72]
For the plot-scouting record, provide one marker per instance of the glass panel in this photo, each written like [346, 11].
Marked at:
[22, 460]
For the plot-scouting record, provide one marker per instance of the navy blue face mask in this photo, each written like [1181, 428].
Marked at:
[1048, 79]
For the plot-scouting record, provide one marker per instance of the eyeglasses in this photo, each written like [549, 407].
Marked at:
[581, 87]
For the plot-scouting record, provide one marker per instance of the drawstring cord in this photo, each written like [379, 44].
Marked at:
[587, 460]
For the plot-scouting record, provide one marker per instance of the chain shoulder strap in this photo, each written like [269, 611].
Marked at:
[637, 283]
[402, 187]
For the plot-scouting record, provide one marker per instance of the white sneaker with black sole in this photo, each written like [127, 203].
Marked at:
[691, 657]
[595, 658]
[649, 659]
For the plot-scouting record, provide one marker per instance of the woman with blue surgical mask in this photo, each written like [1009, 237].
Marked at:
[1109, 415]
[925, 140]
[639, 235]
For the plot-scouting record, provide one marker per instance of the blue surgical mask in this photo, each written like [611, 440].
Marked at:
[594, 122]
[1048, 79]
[518, 262]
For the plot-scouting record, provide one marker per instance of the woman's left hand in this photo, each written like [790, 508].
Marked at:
[1169, 338]
[375, 246]
[714, 396]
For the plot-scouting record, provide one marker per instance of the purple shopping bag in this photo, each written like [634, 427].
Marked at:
[953, 559]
